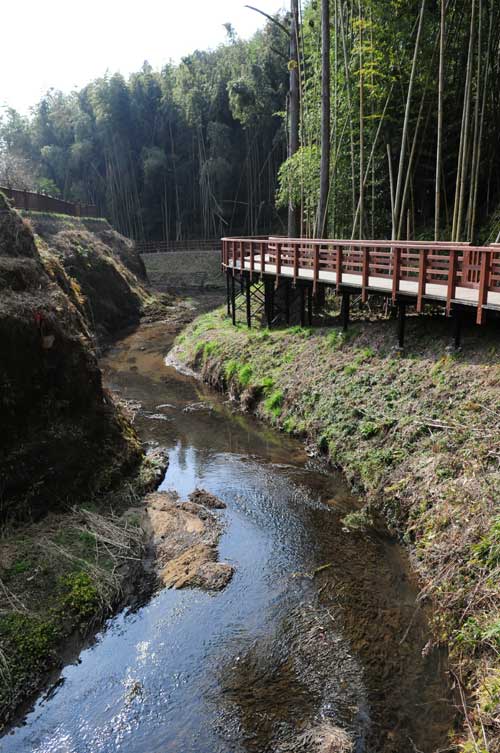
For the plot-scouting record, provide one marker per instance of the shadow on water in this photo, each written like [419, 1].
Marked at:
[282, 649]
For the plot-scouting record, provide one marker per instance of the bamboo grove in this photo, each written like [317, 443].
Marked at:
[356, 118]
[399, 121]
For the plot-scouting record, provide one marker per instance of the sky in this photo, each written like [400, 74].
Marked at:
[64, 45]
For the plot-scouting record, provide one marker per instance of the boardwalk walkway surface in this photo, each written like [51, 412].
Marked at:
[452, 274]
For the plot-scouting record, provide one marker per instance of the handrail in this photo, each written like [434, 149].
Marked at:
[438, 270]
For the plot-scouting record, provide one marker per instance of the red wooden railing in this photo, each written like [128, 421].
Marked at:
[40, 202]
[442, 271]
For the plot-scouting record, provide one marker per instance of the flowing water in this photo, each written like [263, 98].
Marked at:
[283, 648]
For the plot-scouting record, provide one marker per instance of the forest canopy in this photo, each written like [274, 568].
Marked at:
[203, 148]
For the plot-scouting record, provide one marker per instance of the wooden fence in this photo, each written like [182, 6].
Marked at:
[39, 202]
[163, 247]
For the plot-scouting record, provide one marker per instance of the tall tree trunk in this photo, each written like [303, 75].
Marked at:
[349, 107]
[324, 181]
[294, 107]
[399, 185]
[439, 148]
[361, 130]
[464, 137]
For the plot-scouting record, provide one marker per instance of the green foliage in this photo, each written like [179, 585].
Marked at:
[336, 339]
[300, 331]
[368, 429]
[245, 375]
[80, 593]
[231, 369]
[274, 403]
[31, 637]
[487, 551]
[359, 520]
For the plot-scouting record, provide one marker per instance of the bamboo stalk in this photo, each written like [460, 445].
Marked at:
[404, 138]
[439, 147]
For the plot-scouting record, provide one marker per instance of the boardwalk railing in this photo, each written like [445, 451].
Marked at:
[39, 202]
[451, 273]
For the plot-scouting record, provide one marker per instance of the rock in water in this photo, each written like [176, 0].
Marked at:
[202, 497]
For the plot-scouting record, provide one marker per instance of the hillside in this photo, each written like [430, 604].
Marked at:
[106, 273]
[61, 433]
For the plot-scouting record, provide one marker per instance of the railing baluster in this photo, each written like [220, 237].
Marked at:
[452, 282]
[365, 274]
[396, 271]
[252, 259]
[339, 267]
[484, 281]
[315, 268]
[422, 274]
[295, 261]
[278, 263]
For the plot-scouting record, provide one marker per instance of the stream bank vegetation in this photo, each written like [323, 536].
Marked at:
[418, 433]
[60, 577]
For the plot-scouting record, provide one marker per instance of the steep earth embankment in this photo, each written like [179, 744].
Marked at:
[106, 273]
[61, 433]
[419, 434]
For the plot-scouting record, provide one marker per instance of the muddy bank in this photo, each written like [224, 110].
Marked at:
[402, 427]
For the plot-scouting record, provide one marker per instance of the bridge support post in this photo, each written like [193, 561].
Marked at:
[248, 302]
[345, 308]
[457, 328]
[321, 297]
[310, 305]
[233, 300]
[269, 301]
[287, 302]
[228, 295]
[401, 323]
[302, 306]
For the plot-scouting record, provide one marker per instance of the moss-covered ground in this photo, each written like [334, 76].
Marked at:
[418, 434]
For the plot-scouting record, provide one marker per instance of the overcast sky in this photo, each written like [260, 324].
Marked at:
[61, 44]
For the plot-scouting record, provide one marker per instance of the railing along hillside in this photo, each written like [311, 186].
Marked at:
[39, 202]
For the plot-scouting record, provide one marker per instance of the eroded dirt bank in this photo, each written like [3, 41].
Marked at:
[419, 434]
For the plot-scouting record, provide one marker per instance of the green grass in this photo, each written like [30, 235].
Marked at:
[245, 374]
[274, 403]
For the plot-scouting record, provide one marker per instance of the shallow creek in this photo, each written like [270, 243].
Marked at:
[283, 649]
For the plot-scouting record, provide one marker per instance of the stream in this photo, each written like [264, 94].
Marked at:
[287, 653]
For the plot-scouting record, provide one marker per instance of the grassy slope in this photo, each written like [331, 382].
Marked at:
[418, 433]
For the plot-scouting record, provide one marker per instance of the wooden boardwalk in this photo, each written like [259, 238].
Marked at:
[454, 275]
